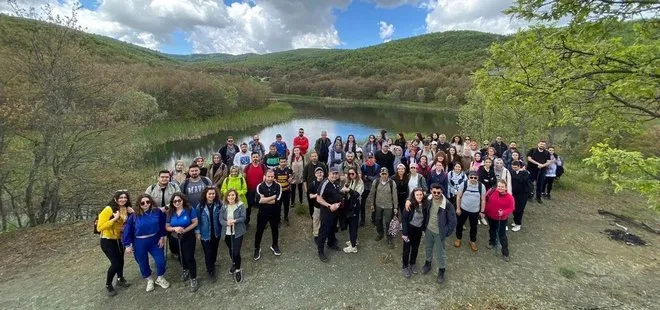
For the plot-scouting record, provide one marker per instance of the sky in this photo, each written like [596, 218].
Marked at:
[265, 26]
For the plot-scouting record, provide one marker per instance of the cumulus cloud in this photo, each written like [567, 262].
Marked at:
[480, 15]
[386, 31]
[393, 3]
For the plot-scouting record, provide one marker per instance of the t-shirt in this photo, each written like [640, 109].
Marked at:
[231, 152]
[412, 184]
[418, 217]
[433, 218]
[273, 189]
[471, 199]
[254, 176]
[272, 160]
[282, 177]
[230, 216]
[194, 190]
[184, 219]
[331, 194]
[540, 157]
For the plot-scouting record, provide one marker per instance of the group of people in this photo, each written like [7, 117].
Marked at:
[426, 186]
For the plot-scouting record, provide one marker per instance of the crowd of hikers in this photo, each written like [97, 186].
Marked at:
[424, 187]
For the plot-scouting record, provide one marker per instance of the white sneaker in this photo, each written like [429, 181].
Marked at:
[506, 227]
[162, 282]
[350, 249]
[484, 221]
[516, 228]
[150, 285]
[357, 242]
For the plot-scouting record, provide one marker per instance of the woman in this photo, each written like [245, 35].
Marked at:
[441, 157]
[487, 174]
[466, 142]
[351, 145]
[434, 148]
[453, 157]
[217, 170]
[476, 162]
[297, 165]
[359, 157]
[419, 137]
[435, 136]
[179, 174]
[109, 225]
[398, 157]
[144, 234]
[337, 156]
[416, 180]
[456, 178]
[438, 175]
[400, 141]
[400, 178]
[490, 153]
[412, 155]
[499, 205]
[199, 161]
[457, 143]
[423, 168]
[515, 156]
[208, 228]
[413, 220]
[181, 223]
[232, 219]
[353, 189]
[503, 174]
[551, 173]
[371, 146]
[382, 138]
[235, 181]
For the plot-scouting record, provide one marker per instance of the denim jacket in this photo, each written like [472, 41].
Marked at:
[204, 225]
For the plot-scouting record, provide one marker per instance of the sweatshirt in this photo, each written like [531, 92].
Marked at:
[152, 222]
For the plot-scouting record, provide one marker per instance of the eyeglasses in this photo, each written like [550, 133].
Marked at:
[145, 202]
[177, 200]
[383, 173]
[413, 168]
[436, 193]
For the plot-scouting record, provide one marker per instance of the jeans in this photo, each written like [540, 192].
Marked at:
[286, 203]
[114, 251]
[521, 202]
[473, 217]
[328, 224]
[411, 247]
[430, 240]
[236, 255]
[296, 188]
[268, 217]
[497, 230]
[210, 253]
[383, 218]
[141, 250]
[353, 222]
[187, 244]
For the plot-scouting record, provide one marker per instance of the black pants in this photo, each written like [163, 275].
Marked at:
[353, 222]
[363, 205]
[548, 184]
[411, 248]
[311, 203]
[521, 202]
[327, 231]
[236, 255]
[114, 251]
[401, 201]
[265, 217]
[540, 182]
[210, 253]
[497, 229]
[299, 189]
[251, 197]
[187, 258]
[174, 245]
[286, 203]
[465, 215]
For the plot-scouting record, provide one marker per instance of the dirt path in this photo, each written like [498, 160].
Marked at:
[560, 260]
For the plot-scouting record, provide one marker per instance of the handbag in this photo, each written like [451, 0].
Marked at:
[395, 226]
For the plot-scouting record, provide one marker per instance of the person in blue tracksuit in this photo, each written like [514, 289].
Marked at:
[145, 234]
[208, 227]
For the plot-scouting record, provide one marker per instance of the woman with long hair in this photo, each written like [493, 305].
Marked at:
[353, 189]
[144, 234]
[416, 179]
[413, 221]
[400, 141]
[453, 157]
[551, 173]
[457, 143]
[351, 144]
[515, 156]
[232, 219]
[491, 153]
[499, 205]
[208, 227]
[400, 178]
[423, 168]
[487, 174]
[371, 146]
[297, 165]
[435, 137]
[440, 156]
[109, 224]
[181, 223]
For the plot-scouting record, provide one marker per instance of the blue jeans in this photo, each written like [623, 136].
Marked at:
[141, 250]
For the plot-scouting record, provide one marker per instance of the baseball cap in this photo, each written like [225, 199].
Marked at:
[384, 170]
[318, 169]
[370, 154]
[334, 170]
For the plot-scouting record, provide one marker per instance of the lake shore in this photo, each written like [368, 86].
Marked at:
[329, 102]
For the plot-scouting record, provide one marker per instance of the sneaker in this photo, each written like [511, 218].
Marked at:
[232, 269]
[334, 248]
[506, 228]
[547, 196]
[185, 275]
[379, 237]
[484, 221]
[110, 290]
[350, 249]
[516, 228]
[473, 246]
[150, 285]
[490, 246]
[506, 258]
[414, 269]
[257, 254]
[276, 250]
[457, 243]
[238, 276]
[193, 285]
[539, 200]
[123, 283]
[427, 267]
[406, 272]
[160, 281]
[357, 242]
[212, 277]
[322, 257]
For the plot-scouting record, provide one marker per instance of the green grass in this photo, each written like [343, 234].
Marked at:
[567, 273]
[367, 103]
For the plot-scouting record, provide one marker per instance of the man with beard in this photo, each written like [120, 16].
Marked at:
[301, 141]
[322, 147]
[329, 199]
[194, 185]
[538, 159]
[269, 198]
[228, 151]
[254, 174]
[243, 159]
[347, 165]
[385, 158]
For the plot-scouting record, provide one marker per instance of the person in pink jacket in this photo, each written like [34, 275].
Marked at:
[499, 205]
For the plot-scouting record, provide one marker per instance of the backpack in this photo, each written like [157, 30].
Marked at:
[226, 181]
[465, 185]
[184, 186]
[389, 181]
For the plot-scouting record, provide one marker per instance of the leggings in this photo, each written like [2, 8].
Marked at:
[236, 256]
[187, 258]
[210, 248]
[141, 250]
[548, 184]
[299, 189]
[114, 251]
[411, 248]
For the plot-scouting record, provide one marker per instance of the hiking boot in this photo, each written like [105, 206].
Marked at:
[123, 283]
[238, 276]
[110, 290]
[185, 275]
[193, 285]
[257, 254]
[334, 248]
[160, 281]
[150, 285]
[406, 272]
[516, 228]
[506, 258]
[276, 250]
[350, 249]
[457, 243]
[322, 257]
[490, 246]
[414, 269]
[441, 276]
[473, 246]
[379, 238]
[426, 268]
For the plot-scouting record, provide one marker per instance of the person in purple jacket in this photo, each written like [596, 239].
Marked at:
[144, 234]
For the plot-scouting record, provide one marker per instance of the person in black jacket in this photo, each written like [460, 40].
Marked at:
[487, 174]
[309, 176]
[228, 151]
[385, 158]
[499, 146]
[413, 221]
[520, 187]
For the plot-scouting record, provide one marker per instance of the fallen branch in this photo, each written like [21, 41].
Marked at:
[630, 221]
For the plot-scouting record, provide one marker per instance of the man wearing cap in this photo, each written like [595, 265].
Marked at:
[385, 158]
[470, 202]
[329, 199]
[314, 187]
[383, 201]
[370, 171]
[309, 177]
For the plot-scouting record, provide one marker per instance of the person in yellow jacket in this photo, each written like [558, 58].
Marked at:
[236, 181]
[109, 225]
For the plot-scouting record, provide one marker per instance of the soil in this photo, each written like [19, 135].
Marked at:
[560, 260]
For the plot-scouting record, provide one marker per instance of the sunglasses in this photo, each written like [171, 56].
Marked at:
[145, 202]
[436, 193]
[230, 141]
[473, 178]
[177, 200]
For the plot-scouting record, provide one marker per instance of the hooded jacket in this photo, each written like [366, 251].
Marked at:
[238, 183]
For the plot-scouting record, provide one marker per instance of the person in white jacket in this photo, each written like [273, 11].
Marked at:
[503, 174]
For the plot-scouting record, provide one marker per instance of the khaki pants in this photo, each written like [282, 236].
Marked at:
[316, 222]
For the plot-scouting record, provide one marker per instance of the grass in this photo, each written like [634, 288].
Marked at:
[163, 132]
[367, 103]
[567, 273]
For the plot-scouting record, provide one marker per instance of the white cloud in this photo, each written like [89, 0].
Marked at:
[386, 31]
[394, 3]
[480, 15]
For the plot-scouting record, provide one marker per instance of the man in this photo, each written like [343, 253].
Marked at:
[370, 171]
[217, 170]
[499, 146]
[520, 190]
[257, 147]
[308, 177]
[385, 158]
[314, 187]
[272, 159]
[441, 224]
[538, 159]
[443, 145]
[473, 149]
[162, 192]
[254, 175]
[228, 151]
[281, 146]
[329, 199]
[194, 185]
[347, 165]
[383, 200]
[243, 158]
[283, 175]
[506, 156]
[470, 201]
[301, 141]
[269, 195]
[322, 147]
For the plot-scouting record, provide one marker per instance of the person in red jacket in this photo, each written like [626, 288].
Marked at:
[301, 141]
[254, 175]
[499, 205]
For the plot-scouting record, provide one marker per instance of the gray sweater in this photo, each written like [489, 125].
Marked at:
[386, 198]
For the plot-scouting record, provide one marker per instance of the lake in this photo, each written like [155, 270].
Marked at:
[343, 121]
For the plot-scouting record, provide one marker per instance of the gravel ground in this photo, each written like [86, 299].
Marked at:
[560, 260]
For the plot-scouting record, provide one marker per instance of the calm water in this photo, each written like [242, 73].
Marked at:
[360, 122]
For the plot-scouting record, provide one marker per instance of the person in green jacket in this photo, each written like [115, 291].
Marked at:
[235, 181]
